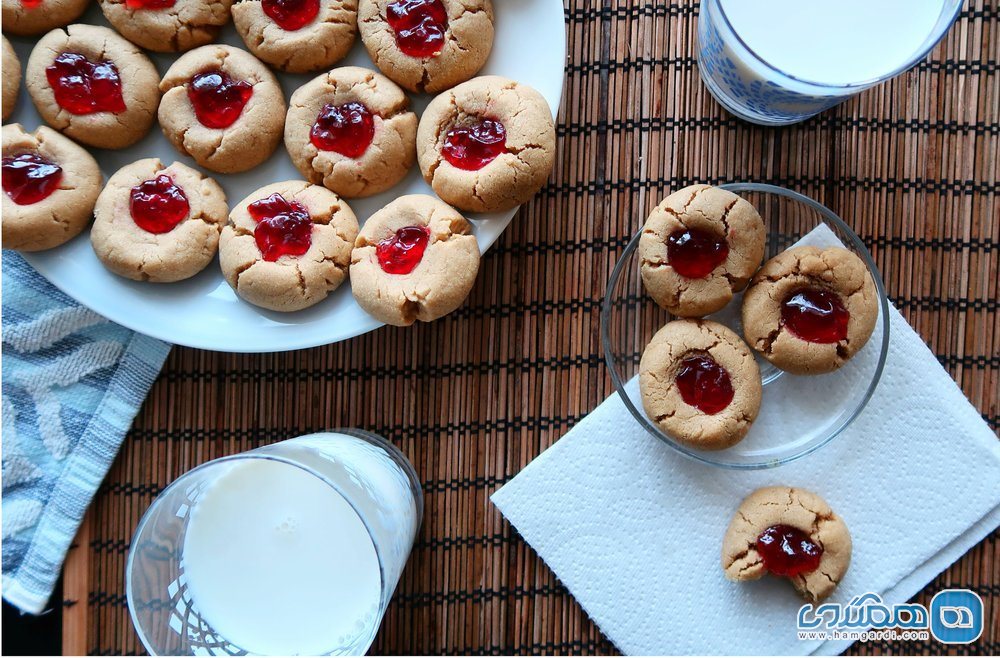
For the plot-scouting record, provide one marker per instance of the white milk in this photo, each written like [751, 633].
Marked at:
[278, 562]
[834, 42]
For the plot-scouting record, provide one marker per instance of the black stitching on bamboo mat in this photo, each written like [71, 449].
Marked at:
[947, 66]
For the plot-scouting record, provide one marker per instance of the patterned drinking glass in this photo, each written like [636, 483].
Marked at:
[759, 92]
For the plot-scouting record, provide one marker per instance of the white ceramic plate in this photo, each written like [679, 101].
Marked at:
[204, 312]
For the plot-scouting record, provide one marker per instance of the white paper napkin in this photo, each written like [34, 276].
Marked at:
[634, 529]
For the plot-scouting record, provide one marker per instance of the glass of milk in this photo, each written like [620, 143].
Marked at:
[775, 62]
[291, 549]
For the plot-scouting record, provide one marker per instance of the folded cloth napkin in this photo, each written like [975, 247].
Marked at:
[72, 383]
[634, 529]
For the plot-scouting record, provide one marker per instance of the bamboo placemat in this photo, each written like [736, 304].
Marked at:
[471, 399]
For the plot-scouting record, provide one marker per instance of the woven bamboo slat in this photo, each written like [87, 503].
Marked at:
[912, 165]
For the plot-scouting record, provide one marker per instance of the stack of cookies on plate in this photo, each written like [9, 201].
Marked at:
[484, 144]
[807, 311]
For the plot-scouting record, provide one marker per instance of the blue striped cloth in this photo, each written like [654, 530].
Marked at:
[72, 383]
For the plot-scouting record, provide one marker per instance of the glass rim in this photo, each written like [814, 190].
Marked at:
[935, 36]
[702, 456]
[253, 455]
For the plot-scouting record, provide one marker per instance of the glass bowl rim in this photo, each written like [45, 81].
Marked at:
[705, 456]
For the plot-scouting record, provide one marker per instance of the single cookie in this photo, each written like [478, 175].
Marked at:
[427, 45]
[158, 223]
[288, 245]
[698, 247]
[93, 85]
[788, 532]
[222, 107]
[11, 78]
[28, 17]
[50, 185]
[700, 384]
[809, 310]
[487, 145]
[351, 130]
[415, 259]
[297, 36]
[167, 25]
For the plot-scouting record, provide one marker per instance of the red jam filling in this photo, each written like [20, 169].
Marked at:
[158, 205]
[788, 551]
[291, 15]
[401, 252]
[472, 147]
[815, 315]
[28, 178]
[150, 4]
[283, 228]
[420, 26]
[84, 87]
[694, 253]
[217, 99]
[31, 4]
[704, 384]
[347, 129]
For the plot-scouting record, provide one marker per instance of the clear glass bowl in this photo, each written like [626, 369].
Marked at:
[798, 414]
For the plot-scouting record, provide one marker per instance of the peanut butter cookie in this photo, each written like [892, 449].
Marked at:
[809, 310]
[700, 384]
[167, 26]
[415, 259]
[28, 17]
[94, 86]
[11, 78]
[297, 36]
[487, 145]
[50, 185]
[790, 533]
[288, 245]
[158, 223]
[427, 45]
[699, 247]
[351, 130]
[222, 107]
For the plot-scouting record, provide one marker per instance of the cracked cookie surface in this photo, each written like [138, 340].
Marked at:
[251, 139]
[11, 78]
[324, 41]
[833, 269]
[800, 509]
[132, 252]
[468, 40]
[290, 283]
[139, 86]
[437, 285]
[512, 177]
[662, 399]
[392, 150]
[46, 15]
[712, 212]
[64, 213]
[184, 25]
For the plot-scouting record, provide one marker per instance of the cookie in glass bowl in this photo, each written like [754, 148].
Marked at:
[810, 310]
[699, 247]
